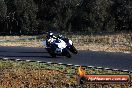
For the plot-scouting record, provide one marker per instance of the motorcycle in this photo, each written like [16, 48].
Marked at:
[57, 47]
[70, 45]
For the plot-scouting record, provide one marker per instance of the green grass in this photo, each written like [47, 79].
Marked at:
[6, 64]
[41, 75]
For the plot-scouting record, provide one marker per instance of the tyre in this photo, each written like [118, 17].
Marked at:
[66, 53]
[53, 55]
[73, 49]
[51, 52]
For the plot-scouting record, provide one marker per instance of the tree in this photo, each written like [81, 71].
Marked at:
[3, 11]
[26, 12]
[120, 14]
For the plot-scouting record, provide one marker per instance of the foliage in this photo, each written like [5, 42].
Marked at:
[38, 16]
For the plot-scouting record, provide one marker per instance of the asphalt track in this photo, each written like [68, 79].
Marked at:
[122, 61]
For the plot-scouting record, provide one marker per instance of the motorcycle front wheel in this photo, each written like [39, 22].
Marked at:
[73, 49]
[66, 53]
[51, 52]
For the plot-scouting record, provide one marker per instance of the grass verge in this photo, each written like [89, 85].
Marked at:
[22, 74]
[115, 42]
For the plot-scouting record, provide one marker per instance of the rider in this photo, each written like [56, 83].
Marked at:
[50, 35]
[58, 38]
[49, 38]
[64, 38]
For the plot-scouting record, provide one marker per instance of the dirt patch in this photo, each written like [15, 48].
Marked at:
[107, 48]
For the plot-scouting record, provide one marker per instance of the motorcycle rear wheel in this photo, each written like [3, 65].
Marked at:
[51, 52]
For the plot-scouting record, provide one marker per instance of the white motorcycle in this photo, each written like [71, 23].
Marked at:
[70, 45]
[57, 47]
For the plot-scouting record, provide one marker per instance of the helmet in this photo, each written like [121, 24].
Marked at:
[50, 34]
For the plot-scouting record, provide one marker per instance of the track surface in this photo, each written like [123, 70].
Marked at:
[88, 58]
